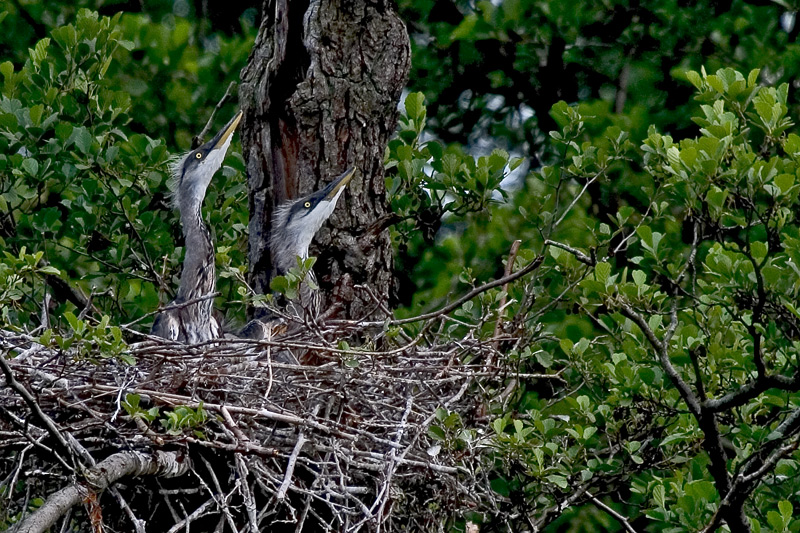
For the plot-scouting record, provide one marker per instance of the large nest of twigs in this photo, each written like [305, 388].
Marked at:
[227, 436]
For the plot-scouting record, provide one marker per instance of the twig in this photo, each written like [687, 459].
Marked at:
[621, 519]
[391, 465]
[33, 406]
[578, 197]
[171, 307]
[198, 140]
[530, 267]
[247, 495]
[580, 256]
[287, 479]
[197, 513]
[512, 256]
[99, 478]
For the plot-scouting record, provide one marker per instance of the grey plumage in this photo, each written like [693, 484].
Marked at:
[190, 318]
[294, 225]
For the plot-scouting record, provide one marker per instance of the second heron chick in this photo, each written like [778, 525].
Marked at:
[294, 225]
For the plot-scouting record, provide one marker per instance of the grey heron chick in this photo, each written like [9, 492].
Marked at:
[189, 317]
[294, 225]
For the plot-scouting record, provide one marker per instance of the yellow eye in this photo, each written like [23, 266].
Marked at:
[198, 155]
[307, 204]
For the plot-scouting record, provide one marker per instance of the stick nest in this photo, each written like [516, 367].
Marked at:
[387, 436]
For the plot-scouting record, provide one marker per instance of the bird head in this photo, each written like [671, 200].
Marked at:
[295, 223]
[193, 171]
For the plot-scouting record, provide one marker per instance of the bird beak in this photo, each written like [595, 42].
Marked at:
[226, 132]
[337, 184]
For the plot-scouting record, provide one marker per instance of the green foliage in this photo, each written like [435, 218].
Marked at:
[19, 274]
[84, 191]
[89, 340]
[131, 406]
[176, 72]
[74, 183]
[427, 182]
[181, 419]
[494, 69]
[699, 308]
[289, 284]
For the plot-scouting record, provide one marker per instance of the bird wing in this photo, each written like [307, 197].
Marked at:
[165, 326]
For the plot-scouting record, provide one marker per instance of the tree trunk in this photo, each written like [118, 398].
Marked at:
[319, 95]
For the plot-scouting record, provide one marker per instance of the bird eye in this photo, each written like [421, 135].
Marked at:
[307, 204]
[198, 155]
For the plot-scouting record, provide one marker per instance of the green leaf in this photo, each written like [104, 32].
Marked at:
[715, 83]
[82, 139]
[602, 271]
[39, 52]
[31, 166]
[544, 358]
[436, 433]
[279, 284]
[659, 496]
[73, 321]
[752, 78]
[7, 69]
[784, 182]
[500, 486]
[694, 78]
[758, 250]
[786, 509]
[775, 521]
[465, 29]
[566, 345]
[646, 234]
[561, 481]
[499, 425]
[415, 106]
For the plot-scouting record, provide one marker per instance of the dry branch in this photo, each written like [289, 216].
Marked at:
[342, 444]
[98, 479]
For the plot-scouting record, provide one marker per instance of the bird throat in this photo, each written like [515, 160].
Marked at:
[198, 277]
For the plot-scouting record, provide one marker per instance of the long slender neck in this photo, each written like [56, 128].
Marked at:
[307, 301]
[286, 258]
[199, 275]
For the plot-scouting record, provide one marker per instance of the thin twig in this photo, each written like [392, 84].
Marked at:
[512, 256]
[198, 140]
[621, 519]
[33, 406]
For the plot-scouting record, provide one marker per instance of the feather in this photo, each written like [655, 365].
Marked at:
[176, 163]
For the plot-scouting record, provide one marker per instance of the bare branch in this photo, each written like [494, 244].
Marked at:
[98, 479]
[621, 519]
[198, 140]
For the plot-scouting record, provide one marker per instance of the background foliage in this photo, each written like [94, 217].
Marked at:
[663, 208]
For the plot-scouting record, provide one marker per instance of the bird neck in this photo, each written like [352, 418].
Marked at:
[198, 277]
[286, 259]
[307, 301]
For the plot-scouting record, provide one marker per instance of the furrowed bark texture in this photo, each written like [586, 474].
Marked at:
[320, 95]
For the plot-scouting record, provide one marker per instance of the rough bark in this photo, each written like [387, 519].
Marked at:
[98, 479]
[319, 95]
